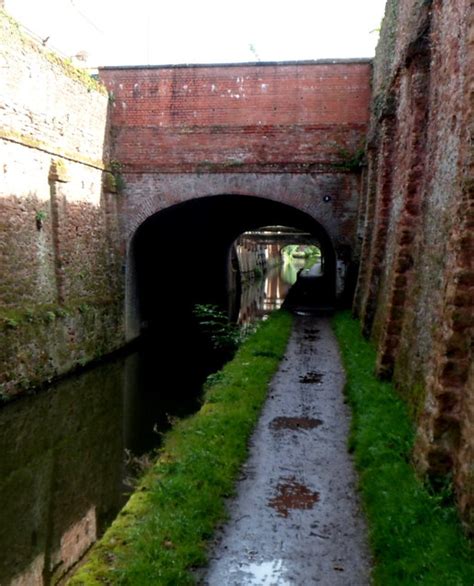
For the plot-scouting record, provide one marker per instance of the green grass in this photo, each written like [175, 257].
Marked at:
[415, 537]
[162, 531]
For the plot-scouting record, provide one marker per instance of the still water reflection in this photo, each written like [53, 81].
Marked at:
[262, 296]
[60, 474]
[62, 464]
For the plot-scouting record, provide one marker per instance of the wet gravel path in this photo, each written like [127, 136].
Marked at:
[296, 518]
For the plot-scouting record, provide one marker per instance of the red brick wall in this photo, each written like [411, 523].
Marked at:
[245, 118]
[415, 293]
[290, 133]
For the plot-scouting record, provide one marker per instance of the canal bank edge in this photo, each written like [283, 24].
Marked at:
[153, 542]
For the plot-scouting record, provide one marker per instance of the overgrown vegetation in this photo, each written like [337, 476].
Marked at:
[415, 534]
[224, 335]
[351, 161]
[161, 534]
[116, 168]
[300, 251]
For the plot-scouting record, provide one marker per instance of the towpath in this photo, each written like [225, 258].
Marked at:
[296, 519]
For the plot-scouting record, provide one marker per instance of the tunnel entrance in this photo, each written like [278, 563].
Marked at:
[181, 256]
[266, 265]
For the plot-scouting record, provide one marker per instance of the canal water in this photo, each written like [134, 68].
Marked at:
[70, 453]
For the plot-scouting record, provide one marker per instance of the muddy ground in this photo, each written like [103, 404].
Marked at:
[296, 519]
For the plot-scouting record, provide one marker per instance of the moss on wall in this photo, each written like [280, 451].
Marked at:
[61, 284]
[42, 342]
[11, 33]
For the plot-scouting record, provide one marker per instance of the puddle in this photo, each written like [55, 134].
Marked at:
[294, 423]
[311, 377]
[267, 573]
[292, 495]
[311, 334]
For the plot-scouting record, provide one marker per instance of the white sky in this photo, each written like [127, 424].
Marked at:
[126, 32]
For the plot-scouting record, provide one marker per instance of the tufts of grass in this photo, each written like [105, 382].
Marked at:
[416, 538]
[162, 531]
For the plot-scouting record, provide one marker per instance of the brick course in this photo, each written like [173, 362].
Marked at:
[242, 118]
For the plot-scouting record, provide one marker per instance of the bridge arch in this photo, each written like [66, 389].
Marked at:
[179, 255]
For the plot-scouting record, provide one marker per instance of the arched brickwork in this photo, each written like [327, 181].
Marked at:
[295, 117]
[329, 199]
[179, 256]
[286, 133]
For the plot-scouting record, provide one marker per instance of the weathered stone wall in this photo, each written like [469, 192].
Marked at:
[60, 291]
[416, 285]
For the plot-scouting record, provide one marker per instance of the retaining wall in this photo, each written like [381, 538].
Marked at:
[416, 285]
[61, 289]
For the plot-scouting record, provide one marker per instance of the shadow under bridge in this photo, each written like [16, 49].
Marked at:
[181, 255]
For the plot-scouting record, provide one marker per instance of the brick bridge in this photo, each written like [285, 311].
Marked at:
[238, 146]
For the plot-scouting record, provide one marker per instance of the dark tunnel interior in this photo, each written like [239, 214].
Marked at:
[181, 254]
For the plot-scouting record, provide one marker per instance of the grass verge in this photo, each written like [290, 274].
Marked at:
[416, 538]
[161, 533]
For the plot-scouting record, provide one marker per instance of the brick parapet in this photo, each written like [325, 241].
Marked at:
[295, 117]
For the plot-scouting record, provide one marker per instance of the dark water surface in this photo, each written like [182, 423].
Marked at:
[66, 453]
